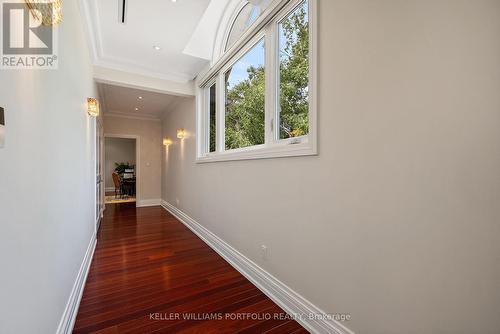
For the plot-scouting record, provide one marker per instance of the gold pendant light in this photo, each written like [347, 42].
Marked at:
[47, 11]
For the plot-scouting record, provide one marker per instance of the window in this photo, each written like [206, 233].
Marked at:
[247, 15]
[212, 117]
[293, 40]
[260, 95]
[245, 89]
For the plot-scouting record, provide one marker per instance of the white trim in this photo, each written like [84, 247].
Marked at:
[148, 202]
[137, 160]
[108, 189]
[118, 64]
[292, 302]
[71, 310]
[313, 75]
[115, 77]
[234, 15]
[256, 39]
[143, 117]
[260, 152]
[90, 11]
[223, 28]
[95, 162]
[103, 101]
[265, 17]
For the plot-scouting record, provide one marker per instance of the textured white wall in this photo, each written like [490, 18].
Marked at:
[397, 221]
[47, 183]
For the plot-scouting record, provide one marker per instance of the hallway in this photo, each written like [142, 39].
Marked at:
[250, 166]
[148, 267]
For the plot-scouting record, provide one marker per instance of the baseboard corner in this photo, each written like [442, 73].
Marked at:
[149, 202]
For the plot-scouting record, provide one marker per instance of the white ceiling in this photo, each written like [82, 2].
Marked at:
[122, 101]
[129, 47]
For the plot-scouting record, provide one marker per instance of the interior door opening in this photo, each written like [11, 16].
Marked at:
[120, 170]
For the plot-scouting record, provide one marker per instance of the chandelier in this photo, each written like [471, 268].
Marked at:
[49, 15]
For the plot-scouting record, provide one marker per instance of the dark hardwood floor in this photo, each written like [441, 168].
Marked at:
[152, 274]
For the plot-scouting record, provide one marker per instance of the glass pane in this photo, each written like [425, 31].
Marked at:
[245, 109]
[294, 73]
[213, 130]
[243, 21]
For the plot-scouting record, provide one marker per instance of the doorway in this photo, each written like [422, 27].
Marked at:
[120, 169]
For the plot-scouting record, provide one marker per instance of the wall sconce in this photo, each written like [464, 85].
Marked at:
[167, 142]
[93, 107]
[181, 133]
[49, 13]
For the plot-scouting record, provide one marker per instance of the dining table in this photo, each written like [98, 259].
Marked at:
[129, 186]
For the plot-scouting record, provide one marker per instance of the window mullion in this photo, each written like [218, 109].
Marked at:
[220, 119]
[206, 119]
[270, 88]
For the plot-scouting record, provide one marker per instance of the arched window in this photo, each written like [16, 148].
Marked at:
[258, 100]
[247, 15]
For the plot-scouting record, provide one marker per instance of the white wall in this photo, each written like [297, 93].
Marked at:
[150, 144]
[47, 184]
[117, 150]
[2, 135]
[397, 221]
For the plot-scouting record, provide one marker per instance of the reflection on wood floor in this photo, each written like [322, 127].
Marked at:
[151, 274]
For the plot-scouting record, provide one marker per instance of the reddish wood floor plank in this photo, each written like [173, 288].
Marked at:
[150, 274]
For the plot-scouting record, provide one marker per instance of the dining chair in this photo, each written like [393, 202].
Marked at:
[118, 184]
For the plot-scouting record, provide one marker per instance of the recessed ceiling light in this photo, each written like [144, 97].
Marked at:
[156, 47]
[136, 109]
[174, 0]
[140, 97]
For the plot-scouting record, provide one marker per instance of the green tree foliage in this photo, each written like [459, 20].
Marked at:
[245, 103]
[213, 111]
[245, 111]
[294, 74]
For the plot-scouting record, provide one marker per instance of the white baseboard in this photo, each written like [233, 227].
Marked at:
[148, 202]
[108, 189]
[293, 303]
[69, 316]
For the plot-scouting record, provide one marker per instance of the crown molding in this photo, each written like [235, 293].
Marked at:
[143, 117]
[90, 12]
[114, 63]
[126, 79]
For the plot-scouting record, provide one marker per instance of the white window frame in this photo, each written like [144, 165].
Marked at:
[234, 17]
[207, 112]
[266, 27]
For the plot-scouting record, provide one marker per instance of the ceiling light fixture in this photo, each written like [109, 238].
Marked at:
[156, 47]
[136, 109]
[140, 97]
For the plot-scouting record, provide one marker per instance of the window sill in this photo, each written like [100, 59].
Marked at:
[261, 152]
